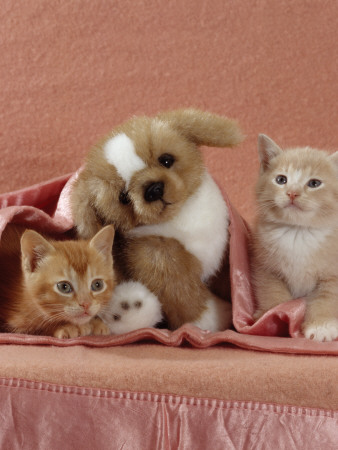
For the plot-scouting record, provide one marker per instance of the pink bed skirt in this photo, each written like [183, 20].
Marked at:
[83, 418]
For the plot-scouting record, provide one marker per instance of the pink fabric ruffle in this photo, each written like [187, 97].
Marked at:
[136, 420]
[46, 207]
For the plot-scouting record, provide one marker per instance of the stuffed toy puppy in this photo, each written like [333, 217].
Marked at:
[147, 178]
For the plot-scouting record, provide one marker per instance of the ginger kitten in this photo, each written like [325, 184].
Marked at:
[54, 288]
[295, 241]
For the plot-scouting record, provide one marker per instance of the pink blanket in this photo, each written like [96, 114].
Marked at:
[45, 207]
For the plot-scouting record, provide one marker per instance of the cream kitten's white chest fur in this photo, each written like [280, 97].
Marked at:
[201, 226]
[295, 250]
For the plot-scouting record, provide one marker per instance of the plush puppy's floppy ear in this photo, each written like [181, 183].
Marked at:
[34, 248]
[204, 128]
[267, 150]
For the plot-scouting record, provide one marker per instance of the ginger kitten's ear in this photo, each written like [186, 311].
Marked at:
[103, 242]
[267, 150]
[34, 248]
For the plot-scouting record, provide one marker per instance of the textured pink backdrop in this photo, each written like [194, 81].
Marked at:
[70, 71]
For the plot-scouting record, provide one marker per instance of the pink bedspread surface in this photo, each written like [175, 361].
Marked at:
[46, 207]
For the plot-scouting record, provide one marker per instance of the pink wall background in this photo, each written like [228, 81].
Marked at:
[71, 71]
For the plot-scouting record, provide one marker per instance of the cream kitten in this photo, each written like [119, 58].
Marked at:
[295, 241]
[55, 288]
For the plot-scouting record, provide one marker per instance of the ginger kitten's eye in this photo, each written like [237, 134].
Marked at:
[97, 285]
[64, 287]
[281, 179]
[313, 183]
[166, 160]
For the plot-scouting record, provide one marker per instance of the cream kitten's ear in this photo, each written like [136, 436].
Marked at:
[334, 159]
[103, 241]
[34, 248]
[267, 150]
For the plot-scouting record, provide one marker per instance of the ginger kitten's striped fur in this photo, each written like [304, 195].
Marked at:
[54, 288]
[295, 242]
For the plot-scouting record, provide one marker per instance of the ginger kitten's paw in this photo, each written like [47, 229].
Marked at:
[73, 331]
[85, 329]
[323, 332]
[67, 331]
[99, 328]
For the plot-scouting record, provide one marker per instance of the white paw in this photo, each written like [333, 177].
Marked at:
[216, 317]
[327, 331]
[132, 307]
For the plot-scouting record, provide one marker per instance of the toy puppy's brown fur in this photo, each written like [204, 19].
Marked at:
[148, 180]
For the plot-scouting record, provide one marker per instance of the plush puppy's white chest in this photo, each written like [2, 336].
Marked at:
[201, 226]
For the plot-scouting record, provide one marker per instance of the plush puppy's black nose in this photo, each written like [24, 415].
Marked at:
[154, 192]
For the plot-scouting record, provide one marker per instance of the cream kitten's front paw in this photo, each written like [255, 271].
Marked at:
[327, 331]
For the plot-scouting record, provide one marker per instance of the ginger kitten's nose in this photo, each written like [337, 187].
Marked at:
[85, 305]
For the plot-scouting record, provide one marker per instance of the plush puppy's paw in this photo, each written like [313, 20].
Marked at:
[217, 315]
[323, 332]
[132, 307]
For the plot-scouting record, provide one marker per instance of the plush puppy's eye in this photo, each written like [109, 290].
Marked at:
[97, 285]
[124, 198]
[313, 183]
[281, 179]
[64, 287]
[166, 160]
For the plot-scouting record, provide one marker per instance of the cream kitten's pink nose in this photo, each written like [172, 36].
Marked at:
[293, 195]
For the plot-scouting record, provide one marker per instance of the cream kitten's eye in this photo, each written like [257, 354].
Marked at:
[281, 179]
[314, 183]
[97, 285]
[64, 287]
